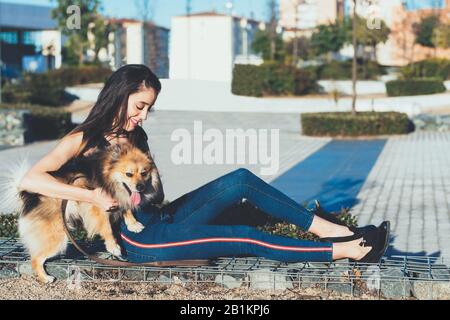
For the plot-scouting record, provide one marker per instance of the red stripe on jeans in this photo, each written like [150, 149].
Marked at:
[207, 240]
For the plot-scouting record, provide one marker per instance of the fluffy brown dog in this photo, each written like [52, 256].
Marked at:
[123, 171]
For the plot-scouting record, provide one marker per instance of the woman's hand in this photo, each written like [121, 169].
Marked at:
[102, 200]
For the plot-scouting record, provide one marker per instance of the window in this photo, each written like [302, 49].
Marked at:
[29, 37]
[9, 37]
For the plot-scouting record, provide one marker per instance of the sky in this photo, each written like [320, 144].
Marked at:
[165, 9]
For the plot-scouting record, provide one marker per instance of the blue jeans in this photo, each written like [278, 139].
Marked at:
[180, 230]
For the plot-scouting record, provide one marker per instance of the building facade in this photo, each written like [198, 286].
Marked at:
[135, 42]
[304, 16]
[205, 46]
[30, 39]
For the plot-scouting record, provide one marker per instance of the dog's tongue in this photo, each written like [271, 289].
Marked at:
[135, 198]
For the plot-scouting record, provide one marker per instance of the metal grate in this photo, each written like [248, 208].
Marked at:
[352, 278]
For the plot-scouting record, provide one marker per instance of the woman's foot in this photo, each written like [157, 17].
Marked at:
[379, 240]
[331, 232]
[367, 249]
[351, 249]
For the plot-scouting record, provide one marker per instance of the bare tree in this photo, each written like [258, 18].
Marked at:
[273, 23]
[354, 65]
[146, 9]
[296, 4]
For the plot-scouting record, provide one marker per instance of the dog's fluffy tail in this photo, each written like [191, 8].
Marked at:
[10, 177]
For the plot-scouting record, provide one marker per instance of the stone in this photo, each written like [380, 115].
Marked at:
[310, 280]
[372, 278]
[228, 281]
[163, 279]
[345, 288]
[431, 290]
[59, 272]
[12, 127]
[25, 269]
[394, 284]
[432, 122]
[338, 281]
[6, 273]
[266, 279]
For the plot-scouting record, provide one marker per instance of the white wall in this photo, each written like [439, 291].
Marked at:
[201, 48]
[135, 45]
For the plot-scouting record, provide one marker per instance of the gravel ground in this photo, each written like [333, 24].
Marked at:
[26, 288]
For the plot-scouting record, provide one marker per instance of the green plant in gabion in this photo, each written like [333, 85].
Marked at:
[8, 226]
[344, 124]
[344, 217]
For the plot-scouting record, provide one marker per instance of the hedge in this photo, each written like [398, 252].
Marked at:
[278, 79]
[48, 88]
[43, 123]
[272, 79]
[429, 68]
[414, 87]
[247, 81]
[344, 124]
[342, 70]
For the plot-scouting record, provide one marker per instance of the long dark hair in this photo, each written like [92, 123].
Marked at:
[112, 105]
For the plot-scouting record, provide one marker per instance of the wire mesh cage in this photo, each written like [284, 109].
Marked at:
[393, 277]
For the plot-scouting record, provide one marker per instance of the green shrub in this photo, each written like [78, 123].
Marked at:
[305, 82]
[272, 79]
[43, 123]
[342, 70]
[48, 88]
[344, 217]
[15, 94]
[71, 76]
[413, 87]
[429, 68]
[8, 225]
[247, 80]
[278, 79]
[44, 89]
[344, 124]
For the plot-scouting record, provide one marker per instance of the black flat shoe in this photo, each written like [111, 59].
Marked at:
[357, 233]
[378, 239]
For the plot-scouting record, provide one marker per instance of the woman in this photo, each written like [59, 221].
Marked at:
[180, 230]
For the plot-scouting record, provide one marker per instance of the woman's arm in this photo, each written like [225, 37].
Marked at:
[38, 180]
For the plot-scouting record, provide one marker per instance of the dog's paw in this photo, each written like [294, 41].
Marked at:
[114, 249]
[135, 227]
[47, 279]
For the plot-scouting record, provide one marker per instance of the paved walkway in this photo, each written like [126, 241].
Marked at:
[409, 183]
[410, 186]
[333, 175]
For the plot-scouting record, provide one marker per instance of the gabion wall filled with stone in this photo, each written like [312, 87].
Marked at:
[12, 127]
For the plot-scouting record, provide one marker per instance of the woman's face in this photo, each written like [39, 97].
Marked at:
[139, 104]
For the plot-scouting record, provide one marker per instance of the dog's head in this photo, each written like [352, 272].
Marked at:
[131, 176]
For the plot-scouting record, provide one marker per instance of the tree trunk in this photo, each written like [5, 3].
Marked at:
[354, 66]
